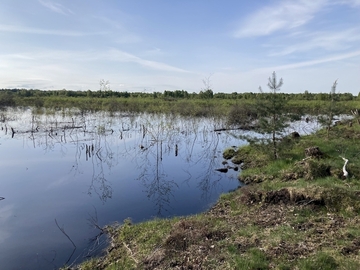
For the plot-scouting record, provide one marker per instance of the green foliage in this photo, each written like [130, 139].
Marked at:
[207, 94]
[6, 99]
[271, 110]
[242, 115]
[237, 107]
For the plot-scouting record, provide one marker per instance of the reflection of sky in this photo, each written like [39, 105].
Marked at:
[131, 172]
[6, 212]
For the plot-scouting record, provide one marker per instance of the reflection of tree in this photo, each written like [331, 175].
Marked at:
[97, 151]
[155, 141]
[201, 136]
[206, 182]
[100, 155]
[190, 140]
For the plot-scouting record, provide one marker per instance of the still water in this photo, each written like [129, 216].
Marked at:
[63, 172]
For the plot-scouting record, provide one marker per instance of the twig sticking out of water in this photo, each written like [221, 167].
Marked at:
[63, 231]
[93, 220]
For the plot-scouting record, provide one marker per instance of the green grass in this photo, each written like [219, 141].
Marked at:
[253, 259]
[319, 261]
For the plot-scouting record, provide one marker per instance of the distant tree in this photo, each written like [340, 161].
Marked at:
[307, 95]
[327, 118]
[271, 111]
[206, 92]
[207, 83]
[346, 97]
[104, 87]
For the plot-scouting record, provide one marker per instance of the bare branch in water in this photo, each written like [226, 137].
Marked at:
[93, 220]
[63, 231]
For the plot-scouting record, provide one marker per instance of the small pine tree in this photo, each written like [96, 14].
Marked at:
[271, 110]
[327, 119]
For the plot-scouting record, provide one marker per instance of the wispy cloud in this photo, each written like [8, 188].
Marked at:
[117, 55]
[121, 34]
[283, 16]
[31, 30]
[352, 3]
[328, 41]
[328, 59]
[113, 55]
[56, 7]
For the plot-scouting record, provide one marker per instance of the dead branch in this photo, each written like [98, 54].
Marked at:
[63, 231]
[131, 253]
[97, 154]
[346, 174]
[93, 220]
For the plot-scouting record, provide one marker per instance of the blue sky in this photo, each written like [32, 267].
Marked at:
[157, 45]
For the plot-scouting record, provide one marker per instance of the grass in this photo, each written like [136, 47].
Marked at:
[322, 260]
[237, 107]
[254, 258]
[291, 215]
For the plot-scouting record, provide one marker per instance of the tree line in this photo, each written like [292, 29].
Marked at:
[7, 94]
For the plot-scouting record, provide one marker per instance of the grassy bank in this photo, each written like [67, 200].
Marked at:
[297, 212]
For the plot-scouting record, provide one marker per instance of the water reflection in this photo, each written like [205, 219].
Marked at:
[146, 140]
[121, 163]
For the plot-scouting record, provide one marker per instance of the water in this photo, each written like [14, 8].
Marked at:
[64, 173]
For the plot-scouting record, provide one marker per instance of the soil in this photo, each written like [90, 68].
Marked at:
[191, 244]
[196, 243]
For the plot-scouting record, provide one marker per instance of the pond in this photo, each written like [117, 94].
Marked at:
[64, 173]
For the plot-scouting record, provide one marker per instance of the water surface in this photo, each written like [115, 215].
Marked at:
[63, 172]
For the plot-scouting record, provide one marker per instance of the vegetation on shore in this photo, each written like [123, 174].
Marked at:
[298, 211]
[236, 106]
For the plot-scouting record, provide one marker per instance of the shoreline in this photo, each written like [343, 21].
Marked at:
[295, 213]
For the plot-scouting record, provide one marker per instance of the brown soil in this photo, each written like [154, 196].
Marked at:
[270, 221]
[190, 244]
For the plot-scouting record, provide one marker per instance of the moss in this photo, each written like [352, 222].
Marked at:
[229, 153]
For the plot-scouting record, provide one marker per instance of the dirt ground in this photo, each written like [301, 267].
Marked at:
[197, 245]
[282, 228]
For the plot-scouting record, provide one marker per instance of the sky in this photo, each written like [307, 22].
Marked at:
[156, 45]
